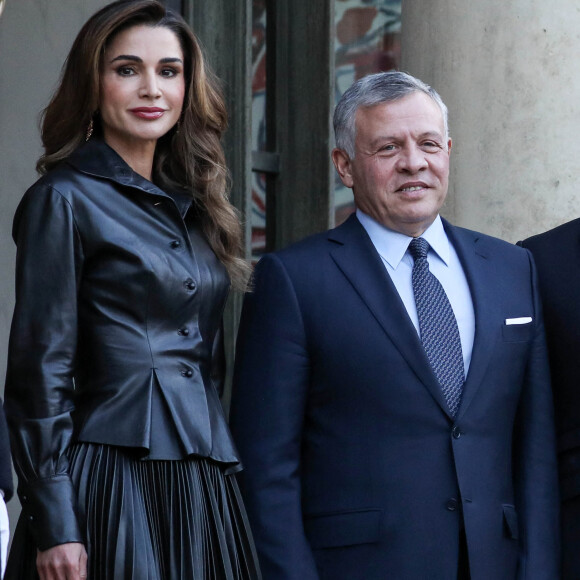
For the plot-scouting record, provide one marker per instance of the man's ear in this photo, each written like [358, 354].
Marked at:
[343, 166]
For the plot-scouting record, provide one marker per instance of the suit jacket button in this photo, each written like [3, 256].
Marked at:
[175, 244]
[456, 432]
[189, 284]
[188, 373]
[183, 331]
[452, 504]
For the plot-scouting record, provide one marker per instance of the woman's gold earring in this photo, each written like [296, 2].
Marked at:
[89, 130]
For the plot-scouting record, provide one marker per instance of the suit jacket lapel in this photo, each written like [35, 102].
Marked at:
[478, 266]
[357, 258]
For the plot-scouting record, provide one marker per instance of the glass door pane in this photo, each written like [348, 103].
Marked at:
[367, 40]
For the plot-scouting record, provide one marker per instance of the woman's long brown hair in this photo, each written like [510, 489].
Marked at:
[190, 157]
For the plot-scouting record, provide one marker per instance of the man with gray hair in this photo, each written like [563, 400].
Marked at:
[391, 398]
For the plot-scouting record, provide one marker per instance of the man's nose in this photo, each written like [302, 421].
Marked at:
[412, 159]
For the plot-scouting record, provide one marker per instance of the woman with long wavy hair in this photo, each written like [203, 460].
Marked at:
[126, 249]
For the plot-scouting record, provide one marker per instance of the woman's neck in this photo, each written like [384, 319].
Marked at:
[138, 155]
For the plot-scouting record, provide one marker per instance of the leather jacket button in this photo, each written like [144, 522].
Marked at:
[189, 284]
[452, 504]
[175, 244]
[456, 432]
[183, 331]
[188, 373]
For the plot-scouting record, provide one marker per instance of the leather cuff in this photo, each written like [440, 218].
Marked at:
[49, 508]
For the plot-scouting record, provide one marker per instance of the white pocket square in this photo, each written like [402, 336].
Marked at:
[521, 320]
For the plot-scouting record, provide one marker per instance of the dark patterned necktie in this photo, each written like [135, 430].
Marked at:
[438, 327]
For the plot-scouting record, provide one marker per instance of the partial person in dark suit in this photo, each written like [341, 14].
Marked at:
[6, 490]
[392, 401]
[6, 485]
[557, 255]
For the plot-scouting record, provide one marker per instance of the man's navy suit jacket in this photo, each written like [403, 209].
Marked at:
[354, 469]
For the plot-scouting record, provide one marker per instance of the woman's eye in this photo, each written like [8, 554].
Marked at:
[125, 71]
[168, 72]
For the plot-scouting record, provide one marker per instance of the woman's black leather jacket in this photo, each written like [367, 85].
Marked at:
[119, 301]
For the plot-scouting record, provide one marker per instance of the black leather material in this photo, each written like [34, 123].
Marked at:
[119, 301]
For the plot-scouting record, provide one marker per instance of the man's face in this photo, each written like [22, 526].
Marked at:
[400, 172]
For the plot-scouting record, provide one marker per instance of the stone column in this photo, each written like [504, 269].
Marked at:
[508, 73]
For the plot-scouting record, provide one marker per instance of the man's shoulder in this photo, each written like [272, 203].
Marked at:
[305, 247]
[311, 261]
[482, 242]
[319, 244]
[561, 235]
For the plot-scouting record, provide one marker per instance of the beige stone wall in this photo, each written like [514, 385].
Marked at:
[35, 37]
[508, 73]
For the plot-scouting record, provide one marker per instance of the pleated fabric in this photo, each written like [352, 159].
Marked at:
[158, 520]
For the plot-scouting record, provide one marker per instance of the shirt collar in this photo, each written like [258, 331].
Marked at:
[392, 245]
[97, 159]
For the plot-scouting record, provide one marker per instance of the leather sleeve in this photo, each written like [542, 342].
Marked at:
[39, 388]
[269, 395]
[218, 362]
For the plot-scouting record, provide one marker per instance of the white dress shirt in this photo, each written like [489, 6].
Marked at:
[4, 534]
[444, 264]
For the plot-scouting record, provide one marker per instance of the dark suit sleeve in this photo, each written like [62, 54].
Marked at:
[267, 414]
[535, 462]
[39, 384]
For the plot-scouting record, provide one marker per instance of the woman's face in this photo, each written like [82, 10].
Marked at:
[142, 87]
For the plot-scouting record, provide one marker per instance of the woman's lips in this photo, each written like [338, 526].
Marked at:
[150, 113]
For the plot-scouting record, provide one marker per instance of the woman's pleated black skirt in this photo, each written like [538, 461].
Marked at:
[155, 520]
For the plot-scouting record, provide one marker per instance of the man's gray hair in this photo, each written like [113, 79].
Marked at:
[373, 90]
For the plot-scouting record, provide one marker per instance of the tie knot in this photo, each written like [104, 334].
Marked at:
[419, 248]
